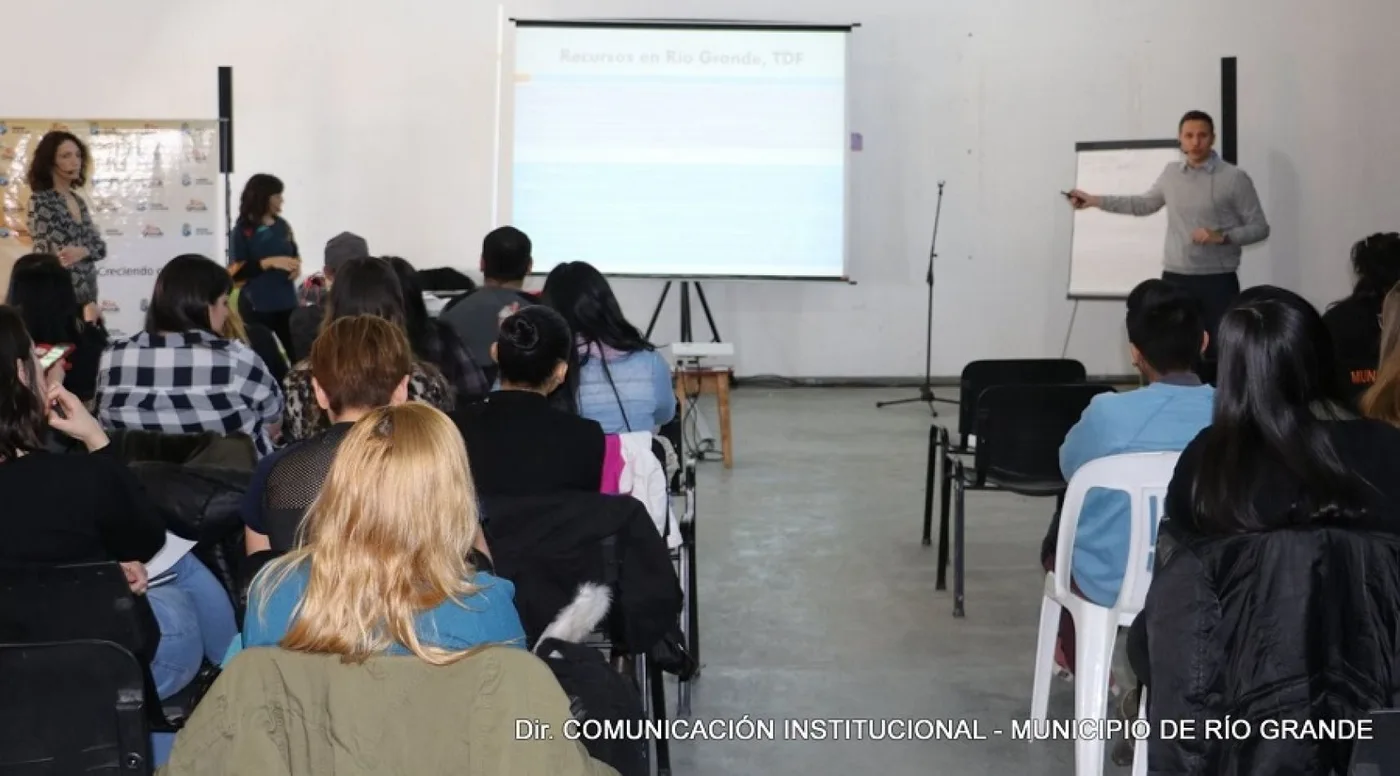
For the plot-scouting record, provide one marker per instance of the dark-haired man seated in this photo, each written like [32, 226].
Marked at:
[505, 262]
[358, 364]
[1166, 337]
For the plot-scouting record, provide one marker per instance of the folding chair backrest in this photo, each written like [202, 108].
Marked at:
[1020, 429]
[1378, 754]
[978, 376]
[1144, 478]
[70, 602]
[72, 707]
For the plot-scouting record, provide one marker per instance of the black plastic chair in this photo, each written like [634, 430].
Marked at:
[1379, 753]
[977, 377]
[89, 601]
[1019, 432]
[72, 707]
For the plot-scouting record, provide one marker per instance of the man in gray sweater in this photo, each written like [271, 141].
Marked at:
[1213, 211]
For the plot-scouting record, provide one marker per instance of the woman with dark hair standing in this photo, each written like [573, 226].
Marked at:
[436, 342]
[179, 375]
[503, 432]
[42, 290]
[59, 219]
[621, 380]
[265, 257]
[1278, 568]
[367, 286]
[1354, 322]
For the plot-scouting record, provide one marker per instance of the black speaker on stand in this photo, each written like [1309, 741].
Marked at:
[226, 148]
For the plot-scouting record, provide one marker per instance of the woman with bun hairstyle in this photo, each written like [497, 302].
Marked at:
[519, 444]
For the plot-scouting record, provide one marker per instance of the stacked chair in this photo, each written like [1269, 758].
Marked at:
[1013, 417]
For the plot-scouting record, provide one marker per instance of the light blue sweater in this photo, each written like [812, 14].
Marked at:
[1163, 416]
[644, 391]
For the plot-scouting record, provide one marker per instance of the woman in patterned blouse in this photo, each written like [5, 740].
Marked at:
[59, 219]
[366, 286]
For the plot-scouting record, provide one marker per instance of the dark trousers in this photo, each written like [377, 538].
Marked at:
[280, 322]
[1215, 294]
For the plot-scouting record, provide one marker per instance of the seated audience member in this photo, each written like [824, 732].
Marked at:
[41, 288]
[1166, 338]
[178, 376]
[505, 261]
[366, 286]
[1382, 400]
[359, 363]
[306, 319]
[1354, 322]
[261, 339]
[621, 380]
[384, 567]
[516, 442]
[88, 508]
[435, 342]
[1278, 561]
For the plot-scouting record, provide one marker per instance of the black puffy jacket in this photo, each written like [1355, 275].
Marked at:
[1300, 624]
[198, 482]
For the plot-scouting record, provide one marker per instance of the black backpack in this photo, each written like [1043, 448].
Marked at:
[597, 692]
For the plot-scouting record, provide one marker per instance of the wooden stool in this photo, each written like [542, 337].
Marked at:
[700, 381]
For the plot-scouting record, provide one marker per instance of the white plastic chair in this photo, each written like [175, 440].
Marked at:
[1144, 477]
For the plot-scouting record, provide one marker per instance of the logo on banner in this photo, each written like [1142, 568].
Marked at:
[185, 127]
[186, 231]
[201, 231]
[4, 181]
[188, 180]
[4, 232]
[59, 127]
[145, 304]
[94, 129]
[127, 272]
[197, 155]
[3, 128]
[108, 306]
[112, 233]
[151, 230]
[157, 183]
[196, 206]
[154, 206]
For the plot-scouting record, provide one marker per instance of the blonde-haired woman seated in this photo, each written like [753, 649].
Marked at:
[1382, 400]
[383, 565]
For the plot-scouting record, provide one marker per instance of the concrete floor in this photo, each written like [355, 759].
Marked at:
[818, 601]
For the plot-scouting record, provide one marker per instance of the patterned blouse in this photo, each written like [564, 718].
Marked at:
[305, 418]
[54, 229]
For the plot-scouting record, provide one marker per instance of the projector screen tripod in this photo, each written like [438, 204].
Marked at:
[686, 331]
[926, 390]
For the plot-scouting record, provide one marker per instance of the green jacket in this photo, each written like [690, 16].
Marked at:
[279, 713]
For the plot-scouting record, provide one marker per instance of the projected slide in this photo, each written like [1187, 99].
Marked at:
[681, 151]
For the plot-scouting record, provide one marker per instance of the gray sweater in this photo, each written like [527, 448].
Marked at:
[1216, 195]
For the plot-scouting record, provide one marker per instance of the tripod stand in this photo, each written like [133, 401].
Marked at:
[926, 390]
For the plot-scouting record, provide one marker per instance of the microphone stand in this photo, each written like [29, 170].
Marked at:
[926, 390]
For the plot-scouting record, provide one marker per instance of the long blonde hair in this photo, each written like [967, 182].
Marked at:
[1382, 400]
[386, 539]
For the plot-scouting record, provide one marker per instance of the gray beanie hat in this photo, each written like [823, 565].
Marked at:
[344, 247]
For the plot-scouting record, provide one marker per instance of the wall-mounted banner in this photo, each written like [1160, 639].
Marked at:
[153, 194]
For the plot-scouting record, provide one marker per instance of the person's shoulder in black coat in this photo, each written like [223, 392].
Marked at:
[519, 445]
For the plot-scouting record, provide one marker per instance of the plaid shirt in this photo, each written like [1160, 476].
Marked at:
[187, 383]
